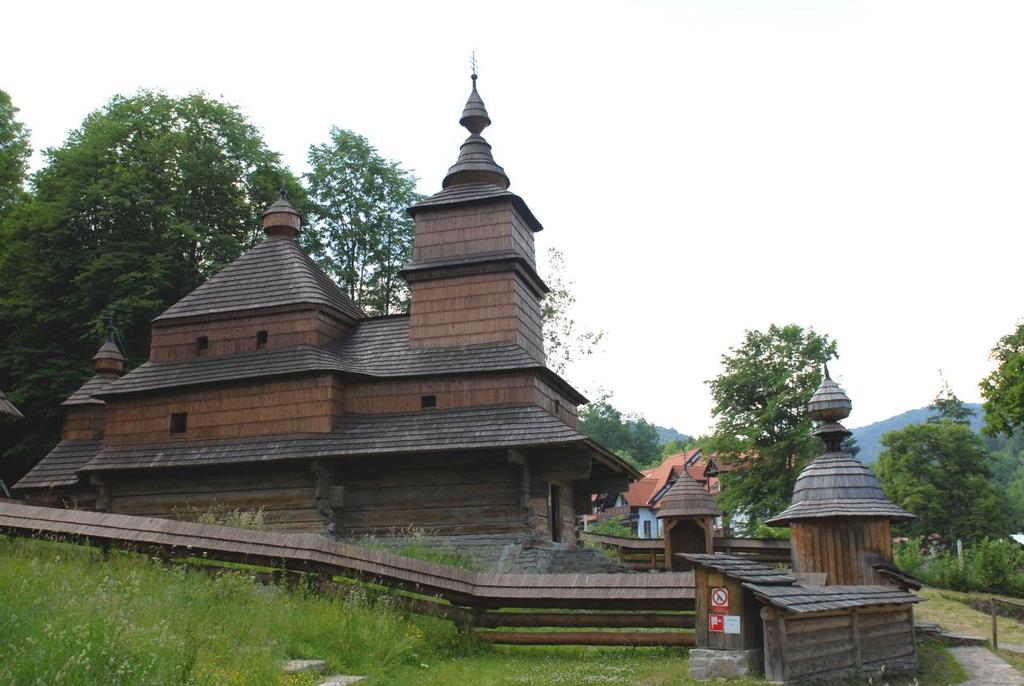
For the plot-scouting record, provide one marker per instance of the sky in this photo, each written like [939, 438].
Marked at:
[707, 168]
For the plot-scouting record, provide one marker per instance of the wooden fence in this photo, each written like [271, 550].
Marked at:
[547, 609]
[649, 553]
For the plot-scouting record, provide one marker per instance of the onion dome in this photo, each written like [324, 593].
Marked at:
[475, 163]
[281, 219]
[836, 484]
[687, 498]
[108, 359]
[830, 402]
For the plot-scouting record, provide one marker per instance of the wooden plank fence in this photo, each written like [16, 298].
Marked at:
[649, 553]
[629, 609]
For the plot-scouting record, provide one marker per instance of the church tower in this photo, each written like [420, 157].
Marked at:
[473, 277]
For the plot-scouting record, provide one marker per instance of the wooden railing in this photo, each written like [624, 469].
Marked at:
[656, 608]
[649, 553]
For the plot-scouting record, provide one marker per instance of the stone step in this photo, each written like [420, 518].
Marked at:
[303, 666]
[343, 680]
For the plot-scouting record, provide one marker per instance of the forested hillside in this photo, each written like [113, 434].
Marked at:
[869, 437]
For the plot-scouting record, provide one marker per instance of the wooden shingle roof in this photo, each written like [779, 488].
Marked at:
[61, 465]
[357, 435]
[87, 393]
[742, 568]
[476, 193]
[7, 409]
[801, 599]
[377, 348]
[838, 485]
[273, 273]
[687, 498]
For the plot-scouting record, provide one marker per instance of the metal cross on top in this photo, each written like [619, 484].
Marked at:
[472, 63]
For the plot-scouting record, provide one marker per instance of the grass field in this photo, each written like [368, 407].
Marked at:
[68, 616]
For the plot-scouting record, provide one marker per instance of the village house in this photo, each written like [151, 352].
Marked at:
[267, 387]
[638, 506]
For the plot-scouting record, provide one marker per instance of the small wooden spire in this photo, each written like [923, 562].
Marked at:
[475, 163]
[108, 359]
[280, 219]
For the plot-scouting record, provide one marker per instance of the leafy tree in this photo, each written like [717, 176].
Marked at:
[359, 203]
[630, 436]
[564, 339]
[14, 153]
[1003, 389]
[948, 407]
[940, 472]
[151, 195]
[761, 418]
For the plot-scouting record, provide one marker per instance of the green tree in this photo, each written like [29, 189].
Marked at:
[14, 153]
[151, 195]
[760, 406]
[630, 436]
[948, 407]
[940, 472]
[359, 203]
[565, 340]
[1003, 389]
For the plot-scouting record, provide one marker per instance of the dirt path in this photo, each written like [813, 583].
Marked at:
[984, 668]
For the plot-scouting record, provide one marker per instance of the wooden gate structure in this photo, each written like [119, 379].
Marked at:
[649, 553]
[548, 609]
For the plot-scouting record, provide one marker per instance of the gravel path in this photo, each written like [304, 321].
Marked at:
[985, 668]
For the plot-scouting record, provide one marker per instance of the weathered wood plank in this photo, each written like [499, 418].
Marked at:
[597, 638]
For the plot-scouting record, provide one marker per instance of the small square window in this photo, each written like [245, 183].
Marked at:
[202, 345]
[261, 339]
[179, 422]
[428, 401]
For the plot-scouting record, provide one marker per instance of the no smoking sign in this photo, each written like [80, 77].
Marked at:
[719, 599]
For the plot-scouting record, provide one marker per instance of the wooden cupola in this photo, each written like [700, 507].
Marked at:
[473, 278]
[687, 512]
[839, 520]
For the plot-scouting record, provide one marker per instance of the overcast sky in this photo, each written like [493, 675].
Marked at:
[707, 167]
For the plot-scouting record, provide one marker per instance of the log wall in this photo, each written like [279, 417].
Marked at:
[285, 493]
[478, 493]
[232, 335]
[830, 647]
[845, 550]
[471, 230]
[83, 422]
[382, 397]
[309, 404]
[474, 309]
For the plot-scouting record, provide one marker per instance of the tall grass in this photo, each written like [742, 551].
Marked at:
[988, 566]
[69, 616]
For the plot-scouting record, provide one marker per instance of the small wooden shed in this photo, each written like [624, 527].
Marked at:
[830, 633]
[806, 633]
[687, 512]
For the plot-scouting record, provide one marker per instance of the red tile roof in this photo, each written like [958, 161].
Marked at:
[640, 492]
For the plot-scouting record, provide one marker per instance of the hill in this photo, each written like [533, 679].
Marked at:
[670, 434]
[869, 437]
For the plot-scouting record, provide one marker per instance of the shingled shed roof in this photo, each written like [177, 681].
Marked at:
[357, 435]
[687, 498]
[7, 409]
[60, 465]
[273, 273]
[838, 485]
[802, 599]
[476, 193]
[742, 568]
[87, 392]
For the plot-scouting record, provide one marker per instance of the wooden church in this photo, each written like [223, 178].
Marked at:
[267, 387]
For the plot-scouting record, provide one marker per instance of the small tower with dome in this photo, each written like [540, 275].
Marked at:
[840, 523]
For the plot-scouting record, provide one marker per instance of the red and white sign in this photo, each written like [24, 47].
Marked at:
[716, 623]
[720, 600]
